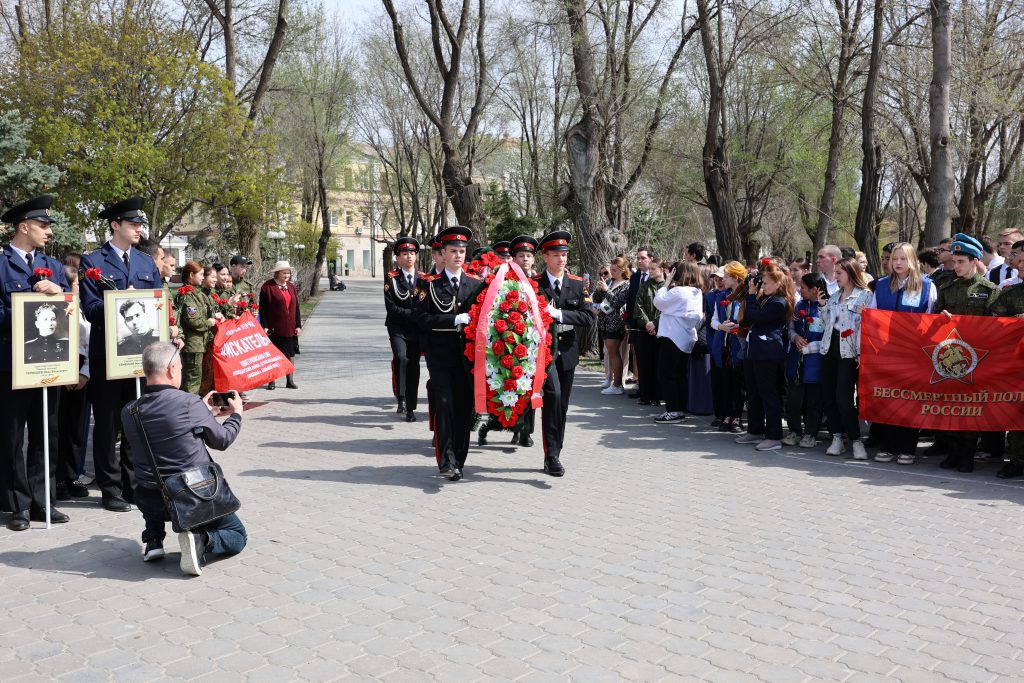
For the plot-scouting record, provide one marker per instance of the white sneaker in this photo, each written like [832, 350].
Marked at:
[882, 456]
[808, 441]
[791, 439]
[838, 446]
[613, 391]
[859, 452]
[905, 459]
[605, 384]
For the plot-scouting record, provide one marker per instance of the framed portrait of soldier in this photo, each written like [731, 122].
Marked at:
[44, 336]
[133, 319]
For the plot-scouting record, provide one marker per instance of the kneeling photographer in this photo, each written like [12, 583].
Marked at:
[172, 429]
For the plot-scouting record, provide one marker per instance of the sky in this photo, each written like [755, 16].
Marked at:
[354, 10]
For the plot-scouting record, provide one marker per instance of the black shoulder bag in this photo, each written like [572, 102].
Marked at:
[194, 497]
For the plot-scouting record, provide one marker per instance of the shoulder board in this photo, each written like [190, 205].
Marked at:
[392, 273]
[471, 276]
[429, 278]
[420, 273]
[574, 277]
[536, 277]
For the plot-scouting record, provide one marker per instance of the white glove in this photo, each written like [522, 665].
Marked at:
[554, 313]
[462, 319]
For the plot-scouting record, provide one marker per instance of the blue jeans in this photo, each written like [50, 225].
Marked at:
[224, 536]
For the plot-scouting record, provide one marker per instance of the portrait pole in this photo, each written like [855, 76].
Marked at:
[138, 387]
[46, 452]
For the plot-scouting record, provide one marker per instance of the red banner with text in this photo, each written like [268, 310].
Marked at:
[934, 372]
[244, 357]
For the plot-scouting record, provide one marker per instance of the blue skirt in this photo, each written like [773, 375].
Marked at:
[701, 401]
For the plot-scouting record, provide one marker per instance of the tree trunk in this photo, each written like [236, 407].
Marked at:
[835, 146]
[870, 168]
[462, 192]
[939, 214]
[715, 161]
[325, 230]
[248, 237]
[585, 199]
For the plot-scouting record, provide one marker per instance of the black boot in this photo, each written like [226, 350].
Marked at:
[481, 439]
[1011, 470]
[401, 406]
[291, 383]
[952, 460]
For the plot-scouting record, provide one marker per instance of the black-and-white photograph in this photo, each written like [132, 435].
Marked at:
[46, 333]
[137, 325]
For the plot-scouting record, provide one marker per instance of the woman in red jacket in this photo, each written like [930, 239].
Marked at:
[279, 313]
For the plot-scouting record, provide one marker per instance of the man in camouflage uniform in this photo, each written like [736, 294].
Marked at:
[1010, 304]
[239, 266]
[966, 294]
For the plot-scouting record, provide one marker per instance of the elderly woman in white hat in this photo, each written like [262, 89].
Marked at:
[279, 313]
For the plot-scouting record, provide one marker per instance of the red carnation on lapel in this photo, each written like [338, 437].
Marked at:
[846, 333]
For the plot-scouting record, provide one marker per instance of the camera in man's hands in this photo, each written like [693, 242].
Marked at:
[221, 399]
[754, 281]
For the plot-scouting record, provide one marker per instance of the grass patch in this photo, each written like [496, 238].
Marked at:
[307, 307]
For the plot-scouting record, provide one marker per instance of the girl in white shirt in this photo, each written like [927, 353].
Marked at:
[681, 303]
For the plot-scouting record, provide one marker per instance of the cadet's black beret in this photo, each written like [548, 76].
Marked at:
[36, 209]
[556, 240]
[406, 244]
[455, 236]
[126, 210]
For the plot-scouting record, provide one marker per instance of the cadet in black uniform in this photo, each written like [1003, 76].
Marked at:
[569, 305]
[404, 333]
[504, 250]
[22, 485]
[442, 302]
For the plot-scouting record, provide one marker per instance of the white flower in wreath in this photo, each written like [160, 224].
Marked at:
[524, 383]
[508, 398]
[494, 382]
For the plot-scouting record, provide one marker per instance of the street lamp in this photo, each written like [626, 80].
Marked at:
[299, 248]
[278, 236]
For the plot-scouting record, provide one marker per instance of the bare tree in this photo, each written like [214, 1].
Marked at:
[448, 43]
[603, 169]
[870, 171]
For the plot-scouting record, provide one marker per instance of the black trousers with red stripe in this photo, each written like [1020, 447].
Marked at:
[557, 388]
[451, 396]
[405, 365]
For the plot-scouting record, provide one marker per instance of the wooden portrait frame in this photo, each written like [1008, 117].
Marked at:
[29, 373]
[123, 356]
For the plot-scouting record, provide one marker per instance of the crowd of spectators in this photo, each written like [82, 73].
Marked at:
[770, 351]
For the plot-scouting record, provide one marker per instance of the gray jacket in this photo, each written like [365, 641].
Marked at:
[179, 427]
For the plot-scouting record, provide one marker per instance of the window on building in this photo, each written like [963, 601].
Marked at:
[366, 259]
[365, 219]
[348, 218]
[350, 258]
[333, 218]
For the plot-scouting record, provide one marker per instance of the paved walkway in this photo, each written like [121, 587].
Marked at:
[666, 553]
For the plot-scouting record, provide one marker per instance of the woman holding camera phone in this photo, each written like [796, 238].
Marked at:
[769, 306]
[610, 297]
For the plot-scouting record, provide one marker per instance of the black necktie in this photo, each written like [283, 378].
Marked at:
[124, 257]
[455, 284]
[409, 279]
[29, 258]
[557, 289]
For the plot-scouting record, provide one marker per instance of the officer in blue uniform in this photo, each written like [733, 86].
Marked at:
[127, 268]
[22, 485]
[403, 332]
[569, 305]
[441, 310]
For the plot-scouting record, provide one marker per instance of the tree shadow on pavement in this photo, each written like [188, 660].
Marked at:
[366, 401]
[360, 419]
[624, 424]
[100, 557]
[426, 480]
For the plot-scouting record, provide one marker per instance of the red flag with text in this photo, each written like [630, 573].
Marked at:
[934, 372]
[244, 357]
